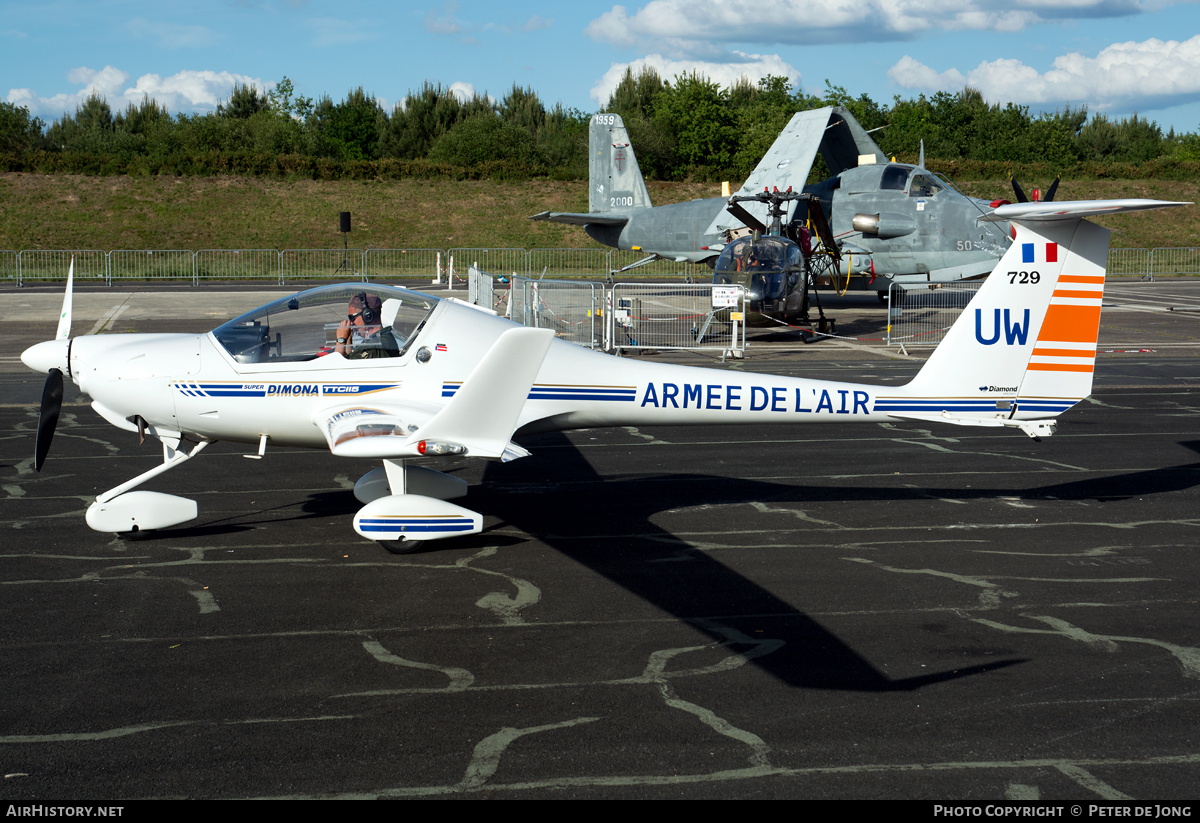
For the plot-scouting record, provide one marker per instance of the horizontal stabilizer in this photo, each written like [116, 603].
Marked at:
[1037, 429]
[574, 219]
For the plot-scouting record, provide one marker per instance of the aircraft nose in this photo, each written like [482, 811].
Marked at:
[51, 354]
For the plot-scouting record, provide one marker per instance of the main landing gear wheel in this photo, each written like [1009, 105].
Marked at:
[400, 546]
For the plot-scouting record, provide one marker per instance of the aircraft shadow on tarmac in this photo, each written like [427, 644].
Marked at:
[703, 592]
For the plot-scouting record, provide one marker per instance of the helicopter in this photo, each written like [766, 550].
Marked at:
[889, 222]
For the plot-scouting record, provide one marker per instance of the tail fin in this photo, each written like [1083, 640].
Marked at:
[616, 180]
[1024, 349]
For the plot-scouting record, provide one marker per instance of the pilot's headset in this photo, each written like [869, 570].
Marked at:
[370, 308]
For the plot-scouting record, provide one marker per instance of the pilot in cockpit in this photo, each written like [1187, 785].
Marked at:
[360, 335]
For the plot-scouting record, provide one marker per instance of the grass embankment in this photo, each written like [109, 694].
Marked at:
[77, 212]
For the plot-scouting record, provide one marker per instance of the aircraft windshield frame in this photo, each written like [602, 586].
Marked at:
[762, 266]
[303, 326]
[769, 254]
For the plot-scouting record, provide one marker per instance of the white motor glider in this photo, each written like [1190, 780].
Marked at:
[425, 377]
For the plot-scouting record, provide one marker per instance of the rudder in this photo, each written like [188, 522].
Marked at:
[1028, 337]
[616, 181]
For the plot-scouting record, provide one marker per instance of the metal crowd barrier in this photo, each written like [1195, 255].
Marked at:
[1129, 261]
[40, 264]
[658, 269]
[500, 262]
[922, 316]
[574, 309]
[1174, 261]
[321, 264]
[587, 264]
[676, 316]
[631, 316]
[10, 266]
[293, 265]
[236, 264]
[480, 289]
[404, 264]
[127, 264]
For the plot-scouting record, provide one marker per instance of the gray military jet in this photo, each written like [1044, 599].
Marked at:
[890, 222]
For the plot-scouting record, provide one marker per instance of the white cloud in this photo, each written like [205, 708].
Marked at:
[443, 20]
[537, 22]
[332, 31]
[913, 74]
[463, 91]
[684, 26]
[1147, 75]
[184, 91]
[753, 66]
[172, 35]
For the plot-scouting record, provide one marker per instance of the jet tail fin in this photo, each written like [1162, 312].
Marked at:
[616, 180]
[1024, 349]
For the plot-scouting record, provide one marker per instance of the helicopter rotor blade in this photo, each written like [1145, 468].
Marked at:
[750, 221]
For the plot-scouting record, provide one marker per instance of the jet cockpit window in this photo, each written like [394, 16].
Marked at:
[373, 321]
[894, 178]
[923, 184]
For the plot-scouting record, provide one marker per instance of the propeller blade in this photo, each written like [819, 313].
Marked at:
[64, 319]
[1018, 191]
[1053, 188]
[52, 397]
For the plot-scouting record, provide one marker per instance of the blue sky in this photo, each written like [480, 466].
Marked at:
[1115, 56]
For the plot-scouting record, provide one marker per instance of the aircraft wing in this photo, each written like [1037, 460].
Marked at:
[479, 420]
[786, 163]
[575, 219]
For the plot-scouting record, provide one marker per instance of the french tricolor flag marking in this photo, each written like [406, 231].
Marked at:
[1028, 254]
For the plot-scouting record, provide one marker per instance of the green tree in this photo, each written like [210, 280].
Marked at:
[697, 111]
[143, 117]
[634, 95]
[423, 117]
[283, 100]
[522, 107]
[19, 132]
[350, 129]
[483, 138]
[243, 101]
[1132, 140]
[760, 121]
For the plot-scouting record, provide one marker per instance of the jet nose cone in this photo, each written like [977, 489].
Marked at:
[52, 354]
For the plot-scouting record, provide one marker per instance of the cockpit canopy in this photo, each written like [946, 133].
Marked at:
[763, 266]
[918, 182]
[304, 325]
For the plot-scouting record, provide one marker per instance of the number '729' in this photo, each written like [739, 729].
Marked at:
[1023, 277]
